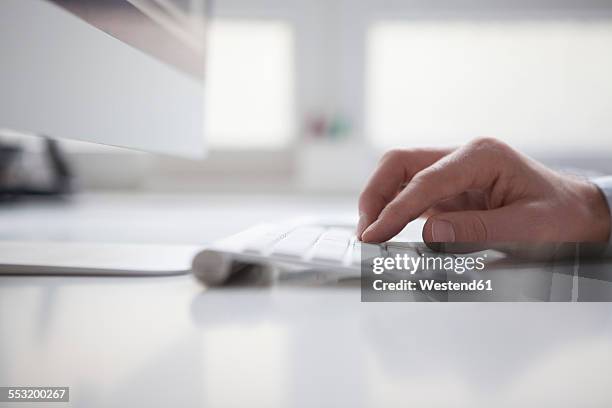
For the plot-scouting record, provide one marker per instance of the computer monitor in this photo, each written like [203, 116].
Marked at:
[117, 72]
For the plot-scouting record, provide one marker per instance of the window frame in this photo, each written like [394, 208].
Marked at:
[234, 164]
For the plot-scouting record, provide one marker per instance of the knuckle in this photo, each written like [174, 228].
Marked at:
[423, 177]
[489, 145]
[431, 180]
[491, 152]
[486, 142]
[392, 155]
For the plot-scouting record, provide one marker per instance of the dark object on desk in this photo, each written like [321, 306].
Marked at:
[24, 173]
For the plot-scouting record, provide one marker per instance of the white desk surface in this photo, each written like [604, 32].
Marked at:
[162, 342]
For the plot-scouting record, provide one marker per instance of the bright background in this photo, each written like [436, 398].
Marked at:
[306, 95]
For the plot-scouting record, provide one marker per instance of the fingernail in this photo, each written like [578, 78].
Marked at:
[442, 231]
[368, 231]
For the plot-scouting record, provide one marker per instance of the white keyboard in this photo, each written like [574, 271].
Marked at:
[330, 249]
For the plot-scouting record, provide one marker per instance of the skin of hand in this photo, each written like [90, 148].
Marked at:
[484, 191]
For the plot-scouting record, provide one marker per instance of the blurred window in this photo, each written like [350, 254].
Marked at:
[249, 84]
[540, 85]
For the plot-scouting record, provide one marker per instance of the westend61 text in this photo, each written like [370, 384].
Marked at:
[432, 285]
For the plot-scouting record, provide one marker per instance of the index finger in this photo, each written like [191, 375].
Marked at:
[396, 168]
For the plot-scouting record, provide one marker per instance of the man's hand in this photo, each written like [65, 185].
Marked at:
[482, 192]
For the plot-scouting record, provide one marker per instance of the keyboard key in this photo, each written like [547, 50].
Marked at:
[338, 234]
[425, 251]
[262, 243]
[330, 250]
[297, 243]
[396, 248]
[363, 251]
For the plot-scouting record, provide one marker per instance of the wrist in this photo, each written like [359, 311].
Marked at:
[598, 223]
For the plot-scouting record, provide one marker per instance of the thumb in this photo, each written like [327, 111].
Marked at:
[509, 229]
[473, 226]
